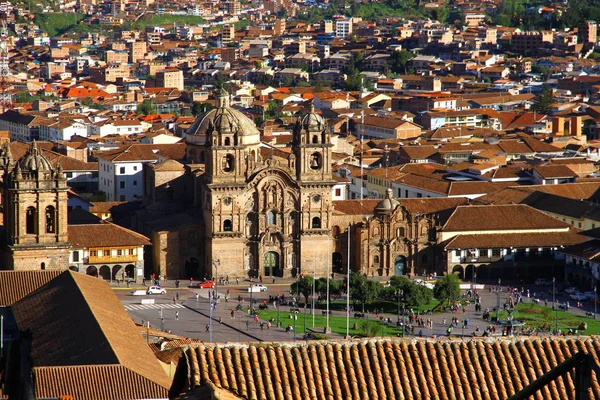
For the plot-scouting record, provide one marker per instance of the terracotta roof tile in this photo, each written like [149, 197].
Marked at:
[542, 239]
[14, 285]
[386, 369]
[500, 217]
[104, 235]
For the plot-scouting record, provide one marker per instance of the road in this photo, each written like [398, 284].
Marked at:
[189, 315]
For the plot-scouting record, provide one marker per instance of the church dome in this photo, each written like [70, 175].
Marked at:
[226, 120]
[388, 204]
[312, 122]
[33, 160]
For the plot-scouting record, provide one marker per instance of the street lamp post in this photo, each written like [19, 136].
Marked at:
[278, 322]
[595, 301]
[498, 299]
[399, 294]
[210, 310]
[554, 304]
[216, 264]
[463, 325]
[313, 292]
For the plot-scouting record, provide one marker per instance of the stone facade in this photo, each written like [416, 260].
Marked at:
[35, 213]
[265, 212]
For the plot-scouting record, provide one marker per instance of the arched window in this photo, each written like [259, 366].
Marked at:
[375, 259]
[315, 161]
[43, 266]
[424, 258]
[316, 223]
[227, 225]
[401, 232]
[271, 217]
[227, 163]
[30, 217]
[227, 141]
[50, 220]
[315, 139]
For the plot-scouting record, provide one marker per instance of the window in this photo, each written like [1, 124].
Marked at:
[271, 217]
[75, 256]
[122, 170]
[338, 192]
[227, 141]
[119, 252]
[93, 253]
[457, 253]
[419, 195]
[375, 259]
[227, 225]
[316, 223]
[135, 167]
[50, 220]
[122, 197]
[68, 174]
[134, 183]
[495, 252]
[30, 217]
[122, 184]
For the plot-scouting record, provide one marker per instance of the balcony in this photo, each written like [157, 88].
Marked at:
[112, 260]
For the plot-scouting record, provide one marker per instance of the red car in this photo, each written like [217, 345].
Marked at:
[206, 285]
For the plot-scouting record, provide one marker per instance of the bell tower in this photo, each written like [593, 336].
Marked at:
[35, 214]
[226, 149]
[312, 148]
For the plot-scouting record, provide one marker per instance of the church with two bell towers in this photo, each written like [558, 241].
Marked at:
[261, 211]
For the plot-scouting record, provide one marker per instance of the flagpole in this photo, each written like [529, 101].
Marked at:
[348, 290]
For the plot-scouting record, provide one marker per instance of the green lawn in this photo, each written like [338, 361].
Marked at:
[389, 307]
[57, 24]
[535, 315]
[168, 19]
[336, 323]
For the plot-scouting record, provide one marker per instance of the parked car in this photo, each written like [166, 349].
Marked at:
[543, 282]
[578, 296]
[206, 284]
[156, 290]
[257, 287]
[571, 290]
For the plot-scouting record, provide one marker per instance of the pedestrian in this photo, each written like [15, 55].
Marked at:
[206, 328]
[232, 314]
[174, 300]
[177, 295]
[220, 320]
[273, 280]
[197, 296]
[176, 315]
[237, 281]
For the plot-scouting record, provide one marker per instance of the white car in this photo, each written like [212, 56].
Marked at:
[424, 283]
[571, 290]
[257, 287]
[578, 296]
[156, 290]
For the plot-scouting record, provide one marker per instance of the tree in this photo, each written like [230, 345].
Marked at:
[147, 107]
[335, 288]
[447, 289]
[199, 108]
[363, 290]
[543, 102]
[303, 286]
[418, 295]
[399, 61]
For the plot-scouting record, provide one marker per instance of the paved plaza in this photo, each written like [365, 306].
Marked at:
[186, 312]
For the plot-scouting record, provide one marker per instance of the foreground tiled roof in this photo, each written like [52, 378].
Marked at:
[14, 285]
[534, 239]
[385, 369]
[95, 382]
[76, 321]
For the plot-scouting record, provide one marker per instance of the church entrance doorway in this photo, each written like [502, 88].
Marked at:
[337, 263]
[271, 264]
[399, 265]
[192, 268]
